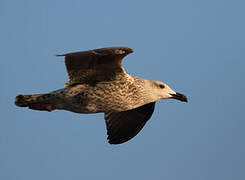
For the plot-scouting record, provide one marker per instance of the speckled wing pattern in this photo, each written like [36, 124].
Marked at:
[96, 65]
[123, 126]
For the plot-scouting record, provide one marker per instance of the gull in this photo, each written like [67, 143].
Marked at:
[98, 83]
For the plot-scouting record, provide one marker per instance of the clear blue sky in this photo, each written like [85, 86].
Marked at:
[195, 46]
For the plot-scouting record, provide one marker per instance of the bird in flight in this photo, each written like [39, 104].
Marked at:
[98, 83]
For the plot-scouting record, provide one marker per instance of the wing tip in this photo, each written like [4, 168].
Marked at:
[58, 55]
[120, 50]
[116, 141]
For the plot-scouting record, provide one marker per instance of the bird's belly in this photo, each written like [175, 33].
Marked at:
[101, 98]
[96, 105]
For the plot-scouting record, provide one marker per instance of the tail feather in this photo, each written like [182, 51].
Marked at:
[37, 101]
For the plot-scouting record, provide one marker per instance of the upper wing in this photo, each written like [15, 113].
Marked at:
[96, 65]
[123, 126]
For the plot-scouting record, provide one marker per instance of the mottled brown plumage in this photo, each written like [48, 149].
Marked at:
[99, 83]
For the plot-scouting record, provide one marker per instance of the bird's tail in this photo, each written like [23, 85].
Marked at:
[42, 102]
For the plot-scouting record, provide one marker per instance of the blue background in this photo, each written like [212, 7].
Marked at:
[195, 46]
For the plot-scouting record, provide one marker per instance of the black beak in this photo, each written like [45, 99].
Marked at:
[180, 97]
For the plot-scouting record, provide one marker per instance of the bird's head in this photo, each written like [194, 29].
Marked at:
[163, 91]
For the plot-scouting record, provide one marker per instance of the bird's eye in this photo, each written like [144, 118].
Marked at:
[162, 86]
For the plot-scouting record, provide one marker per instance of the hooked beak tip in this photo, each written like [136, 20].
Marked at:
[180, 97]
